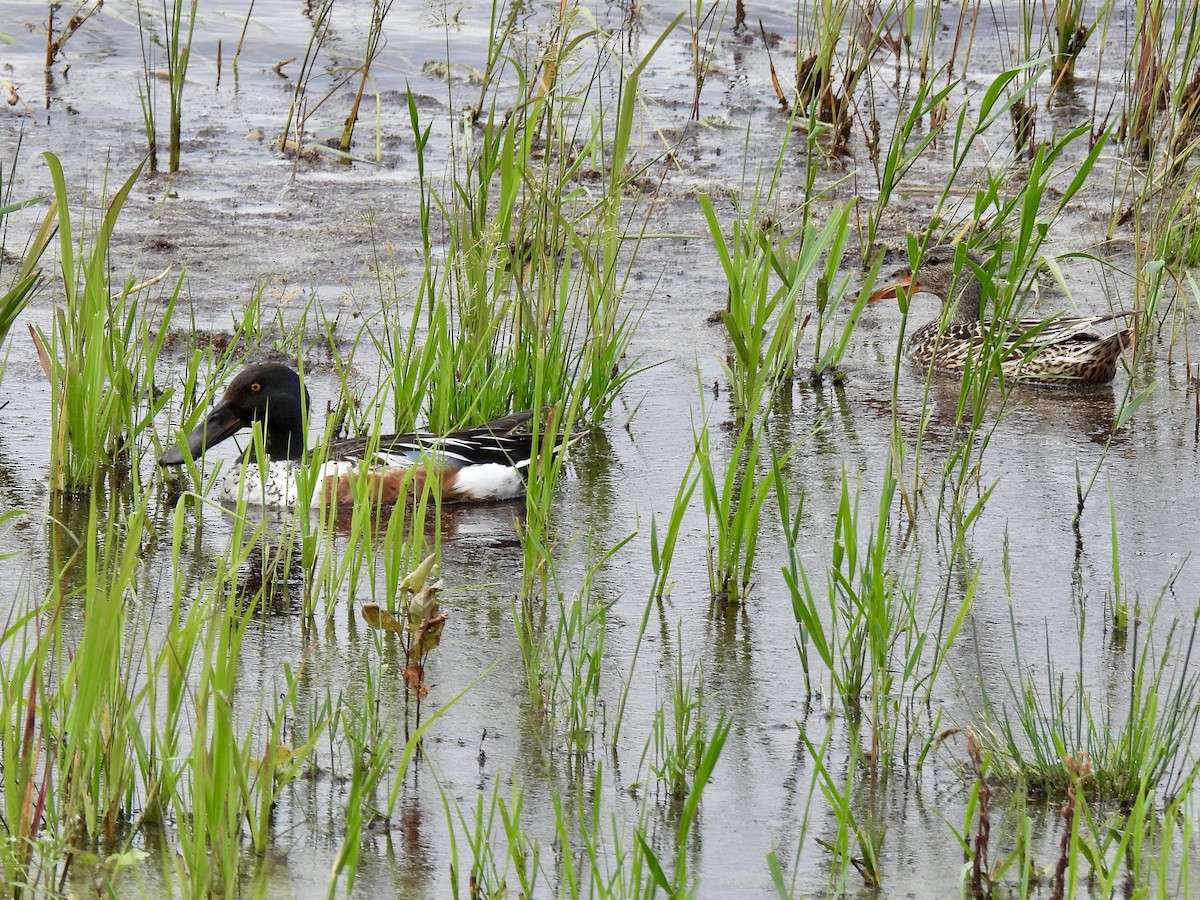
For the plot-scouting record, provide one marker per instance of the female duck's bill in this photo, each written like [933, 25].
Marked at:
[481, 464]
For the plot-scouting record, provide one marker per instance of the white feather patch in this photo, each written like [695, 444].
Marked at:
[489, 481]
[275, 485]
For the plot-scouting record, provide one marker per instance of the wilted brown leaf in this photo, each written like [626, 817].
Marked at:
[424, 605]
[414, 677]
[379, 618]
[428, 636]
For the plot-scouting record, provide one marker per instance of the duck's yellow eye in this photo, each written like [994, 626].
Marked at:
[255, 388]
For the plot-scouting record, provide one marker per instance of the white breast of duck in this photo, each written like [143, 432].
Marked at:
[391, 479]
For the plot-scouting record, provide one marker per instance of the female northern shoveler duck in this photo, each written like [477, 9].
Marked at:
[1061, 350]
[481, 464]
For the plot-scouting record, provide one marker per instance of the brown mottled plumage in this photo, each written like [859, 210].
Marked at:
[1060, 350]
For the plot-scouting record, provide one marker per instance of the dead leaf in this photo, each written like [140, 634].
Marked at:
[424, 605]
[427, 636]
[379, 618]
[414, 677]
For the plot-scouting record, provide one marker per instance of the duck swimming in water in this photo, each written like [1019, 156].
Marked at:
[481, 464]
[1059, 350]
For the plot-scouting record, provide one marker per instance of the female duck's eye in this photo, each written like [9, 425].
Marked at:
[255, 388]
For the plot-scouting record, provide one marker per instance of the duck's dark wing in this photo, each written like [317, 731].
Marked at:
[500, 441]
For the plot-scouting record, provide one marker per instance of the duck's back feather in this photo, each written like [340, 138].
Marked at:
[499, 442]
[1061, 350]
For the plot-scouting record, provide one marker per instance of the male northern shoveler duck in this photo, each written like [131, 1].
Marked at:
[1060, 350]
[481, 464]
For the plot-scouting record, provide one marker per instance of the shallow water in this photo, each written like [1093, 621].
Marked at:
[241, 215]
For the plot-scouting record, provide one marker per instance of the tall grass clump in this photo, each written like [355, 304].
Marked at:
[769, 274]
[1123, 760]
[1019, 221]
[1146, 96]
[178, 47]
[379, 12]
[534, 295]
[17, 291]
[530, 312]
[1068, 33]
[409, 344]
[859, 829]
[332, 76]
[70, 729]
[213, 770]
[370, 737]
[494, 853]
[1161, 111]
[680, 734]
[228, 768]
[26, 773]
[678, 761]
[837, 41]
[733, 501]
[99, 354]
[1138, 740]
[147, 87]
[97, 758]
[865, 636]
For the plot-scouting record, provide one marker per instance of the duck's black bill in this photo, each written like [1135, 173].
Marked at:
[221, 423]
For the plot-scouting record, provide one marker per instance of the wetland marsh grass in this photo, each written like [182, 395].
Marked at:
[768, 274]
[116, 728]
[1122, 755]
[733, 500]
[123, 727]
[769, 277]
[533, 301]
[609, 858]
[1023, 742]
[293, 139]
[178, 48]
[1138, 740]
[100, 353]
[501, 326]
[1159, 113]
[868, 636]
[21, 288]
[1068, 34]
[495, 855]
[379, 13]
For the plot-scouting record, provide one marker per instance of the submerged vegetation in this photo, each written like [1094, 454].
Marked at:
[764, 582]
